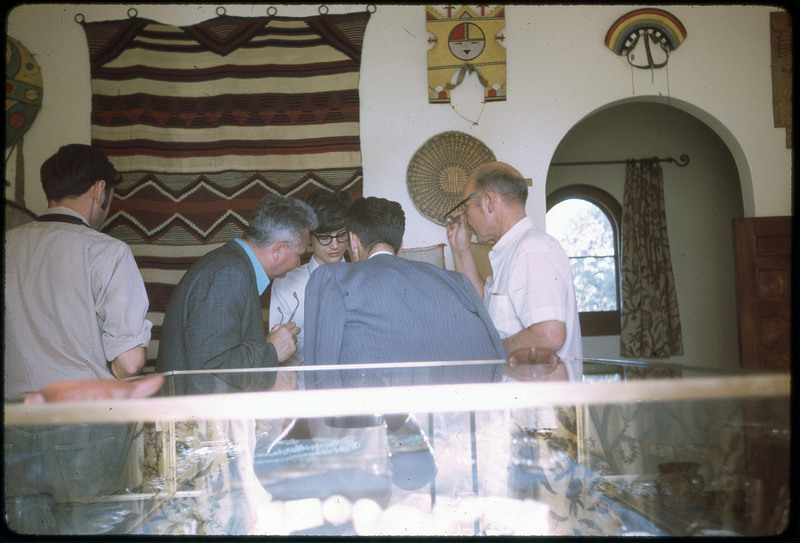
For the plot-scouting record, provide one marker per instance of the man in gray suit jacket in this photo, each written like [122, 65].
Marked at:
[387, 310]
[383, 308]
[214, 320]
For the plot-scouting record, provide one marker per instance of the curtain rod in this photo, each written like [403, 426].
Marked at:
[681, 162]
[272, 11]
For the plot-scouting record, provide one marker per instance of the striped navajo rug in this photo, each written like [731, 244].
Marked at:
[204, 120]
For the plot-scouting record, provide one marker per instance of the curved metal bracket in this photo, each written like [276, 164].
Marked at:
[680, 162]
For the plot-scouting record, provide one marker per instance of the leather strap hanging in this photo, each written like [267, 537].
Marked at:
[58, 217]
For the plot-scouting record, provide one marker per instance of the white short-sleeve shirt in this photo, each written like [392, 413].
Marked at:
[532, 283]
[283, 290]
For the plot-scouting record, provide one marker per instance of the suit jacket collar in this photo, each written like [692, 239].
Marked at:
[381, 253]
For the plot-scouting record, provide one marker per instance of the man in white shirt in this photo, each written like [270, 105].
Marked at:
[530, 296]
[75, 307]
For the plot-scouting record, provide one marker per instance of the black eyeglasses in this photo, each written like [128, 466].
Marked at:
[326, 239]
[459, 204]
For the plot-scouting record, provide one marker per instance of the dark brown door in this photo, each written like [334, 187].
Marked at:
[763, 247]
[763, 292]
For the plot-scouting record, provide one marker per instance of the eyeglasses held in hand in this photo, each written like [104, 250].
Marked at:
[326, 239]
[297, 304]
[459, 204]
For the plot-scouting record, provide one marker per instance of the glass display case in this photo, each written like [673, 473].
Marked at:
[633, 449]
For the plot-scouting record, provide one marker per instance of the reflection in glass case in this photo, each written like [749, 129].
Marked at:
[636, 448]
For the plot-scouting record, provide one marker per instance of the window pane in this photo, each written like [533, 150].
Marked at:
[587, 236]
[581, 227]
[595, 283]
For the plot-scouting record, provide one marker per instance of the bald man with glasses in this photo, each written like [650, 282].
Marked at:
[530, 296]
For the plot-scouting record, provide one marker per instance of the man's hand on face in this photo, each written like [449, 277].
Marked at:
[459, 234]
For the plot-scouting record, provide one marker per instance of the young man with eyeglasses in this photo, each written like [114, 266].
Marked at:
[329, 242]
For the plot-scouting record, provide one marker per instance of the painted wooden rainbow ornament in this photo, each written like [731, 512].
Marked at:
[656, 25]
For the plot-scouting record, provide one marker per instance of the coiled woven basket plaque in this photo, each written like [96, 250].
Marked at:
[439, 170]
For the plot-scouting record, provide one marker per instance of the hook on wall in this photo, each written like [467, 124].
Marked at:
[221, 11]
[323, 9]
[133, 13]
[373, 7]
[79, 18]
[272, 11]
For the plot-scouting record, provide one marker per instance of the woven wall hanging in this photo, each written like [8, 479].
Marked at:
[439, 170]
[206, 119]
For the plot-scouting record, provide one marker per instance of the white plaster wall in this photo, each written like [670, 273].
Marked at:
[559, 71]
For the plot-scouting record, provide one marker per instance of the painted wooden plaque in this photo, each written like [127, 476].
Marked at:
[463, 40]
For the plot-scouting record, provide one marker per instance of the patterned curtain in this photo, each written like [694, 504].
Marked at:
[651, 326]
[204, 120]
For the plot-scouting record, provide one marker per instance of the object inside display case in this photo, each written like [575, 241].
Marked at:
[633, 449]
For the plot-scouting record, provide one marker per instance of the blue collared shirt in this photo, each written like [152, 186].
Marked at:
[262, 280]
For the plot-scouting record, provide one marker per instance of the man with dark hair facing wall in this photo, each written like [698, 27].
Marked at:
[75, 307]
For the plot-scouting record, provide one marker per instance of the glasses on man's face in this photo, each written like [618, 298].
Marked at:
[326, 239]
[458, 206]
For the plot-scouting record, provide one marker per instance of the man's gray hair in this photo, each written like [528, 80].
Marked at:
[503, 179]
[279, 218]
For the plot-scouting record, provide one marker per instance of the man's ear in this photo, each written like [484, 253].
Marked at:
[355, 243]
[98, 191]
[490, 200]
[277, 250]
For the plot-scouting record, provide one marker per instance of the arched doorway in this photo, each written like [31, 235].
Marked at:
[701, 200]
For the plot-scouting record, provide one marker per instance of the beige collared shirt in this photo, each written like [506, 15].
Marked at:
[74, 300]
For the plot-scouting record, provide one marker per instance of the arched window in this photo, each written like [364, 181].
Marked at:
[587, 220]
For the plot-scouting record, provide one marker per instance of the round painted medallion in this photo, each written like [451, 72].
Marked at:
[23, 90]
